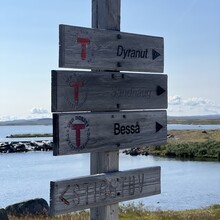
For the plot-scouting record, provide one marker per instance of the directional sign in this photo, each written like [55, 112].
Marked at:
[103, 189]
[107, 91]
[109, 50]
[89, 132]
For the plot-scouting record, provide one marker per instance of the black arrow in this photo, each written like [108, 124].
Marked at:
[155, 54]
[65, 201]
[160, 90]
[158, 126]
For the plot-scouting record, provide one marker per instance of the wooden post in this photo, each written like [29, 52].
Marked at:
[105, 15]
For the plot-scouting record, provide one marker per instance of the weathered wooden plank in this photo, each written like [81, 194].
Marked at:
[90, 132]
[105, 15]
[107, 91]
[88, 48]
[103, 189]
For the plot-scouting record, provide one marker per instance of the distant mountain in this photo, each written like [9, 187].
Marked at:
[41, 121]
[199, 119]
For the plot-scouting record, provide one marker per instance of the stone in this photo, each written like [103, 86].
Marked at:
[3, 214]
[16, 147]
[5, 148]
[20, 148]
[134, 152]
[32, 207]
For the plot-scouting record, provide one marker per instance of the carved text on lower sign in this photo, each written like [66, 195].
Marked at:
[102, 190]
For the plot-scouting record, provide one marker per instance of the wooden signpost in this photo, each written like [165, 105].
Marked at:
[103, 189]
[104, 91]
[109, 50]
[108, 131]
[107, 126]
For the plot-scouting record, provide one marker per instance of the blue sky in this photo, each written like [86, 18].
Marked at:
[29, 50]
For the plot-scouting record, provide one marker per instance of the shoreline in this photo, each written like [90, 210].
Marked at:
[181, 144]
[25, 146]
[185, 144]
[29, 135]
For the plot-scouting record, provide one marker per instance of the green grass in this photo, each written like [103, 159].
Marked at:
[210, 213]
[138, 212]
[194, 135]
[209, 149]
[29, 135]
[191, 144]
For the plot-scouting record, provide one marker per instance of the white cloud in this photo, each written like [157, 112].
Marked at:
[39, 111]
[32, 114]
[191, 106]
[7, 118]
[195, 101]
[174, 100]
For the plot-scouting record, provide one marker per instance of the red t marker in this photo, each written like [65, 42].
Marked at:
[78, 127]
[76, 86]
[83, 42]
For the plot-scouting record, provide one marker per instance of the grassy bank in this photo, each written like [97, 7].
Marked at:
[132, 212]
[195, 150]
[194, 144]
[199, 144]
[29, 135]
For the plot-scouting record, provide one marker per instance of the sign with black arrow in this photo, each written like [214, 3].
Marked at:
[89, 48]
[105, 131]
[107, 91]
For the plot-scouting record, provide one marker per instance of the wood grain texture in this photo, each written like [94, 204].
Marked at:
[107, 91]
[109, 131]
[103, 189]
[88, 48]
[105, 15]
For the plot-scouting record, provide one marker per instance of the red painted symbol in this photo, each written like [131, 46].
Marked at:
[83, 42]
[78, 127]
[76, 86]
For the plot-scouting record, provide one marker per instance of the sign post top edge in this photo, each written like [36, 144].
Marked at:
[64, 26]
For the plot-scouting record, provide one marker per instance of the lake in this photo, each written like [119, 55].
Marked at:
[8, 130]
[34, 129]
[185, 184]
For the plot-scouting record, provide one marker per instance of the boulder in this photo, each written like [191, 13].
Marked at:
[3, 214]
[30, 207]
[134, 152]
[6, 148]
[16, 147]
[20, 148]
[44, 146]
[170, 136]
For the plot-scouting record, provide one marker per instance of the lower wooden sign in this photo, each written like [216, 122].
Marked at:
[89, 132]
[103, 189]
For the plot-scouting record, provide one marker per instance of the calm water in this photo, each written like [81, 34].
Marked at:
[185, 184]
[8, 130]
[190, 127]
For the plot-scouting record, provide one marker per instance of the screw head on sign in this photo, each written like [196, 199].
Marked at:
[118, 64]
[118, 36]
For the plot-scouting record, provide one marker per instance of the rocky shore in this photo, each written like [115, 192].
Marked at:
[25, 146]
